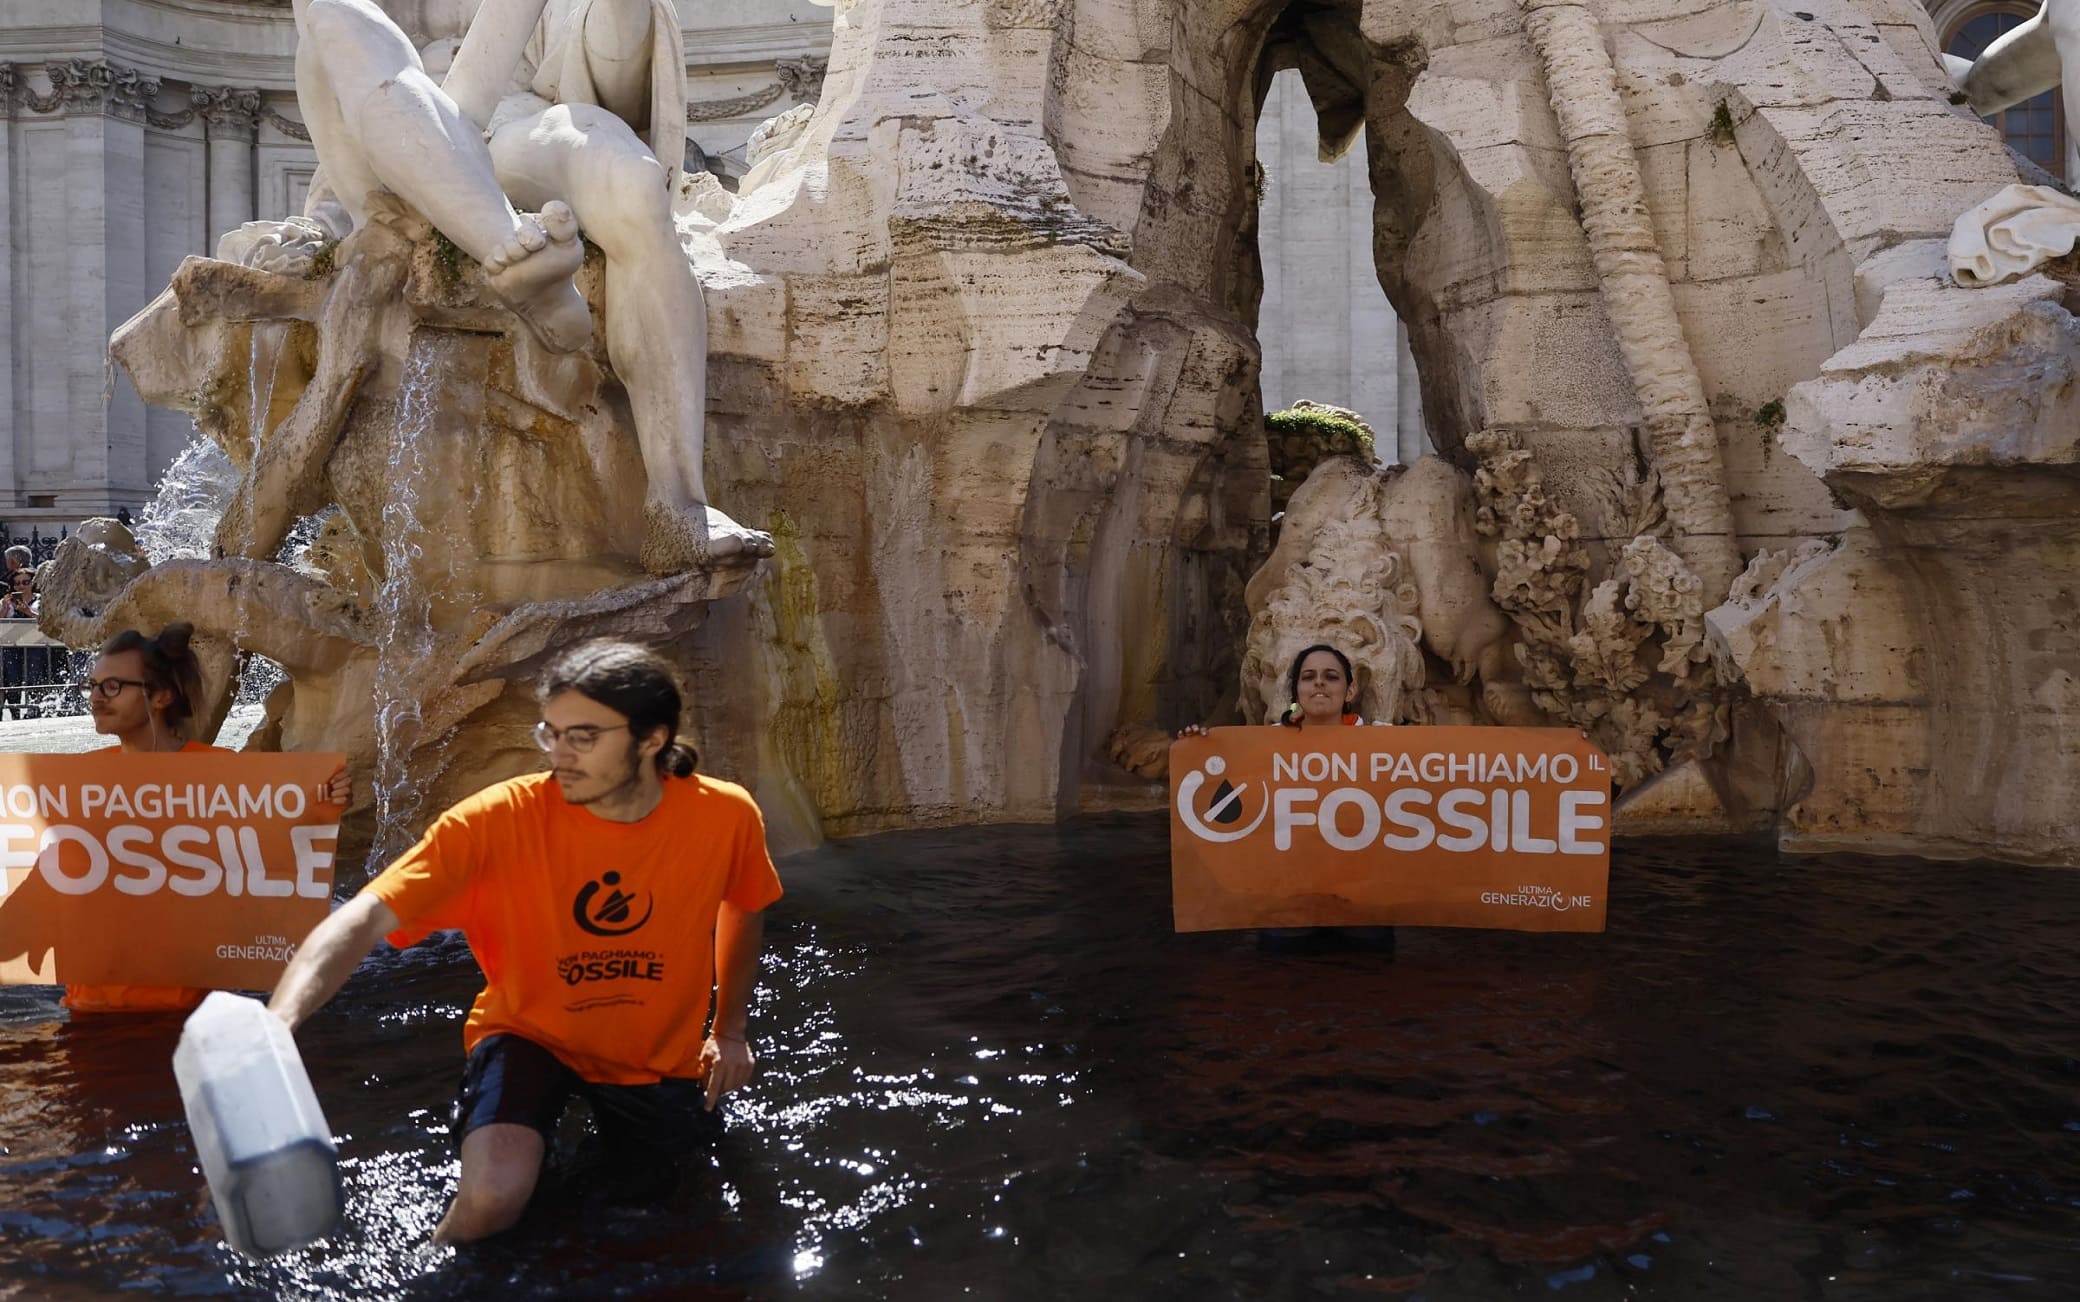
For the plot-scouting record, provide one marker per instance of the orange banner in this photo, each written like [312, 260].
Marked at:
[1437, 827]
[172, 869]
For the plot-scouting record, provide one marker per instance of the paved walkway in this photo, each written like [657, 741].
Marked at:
[71, 734]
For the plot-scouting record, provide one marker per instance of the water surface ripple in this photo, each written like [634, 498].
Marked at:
[990, 1070]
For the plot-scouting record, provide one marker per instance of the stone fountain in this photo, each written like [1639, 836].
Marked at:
[1735, 474]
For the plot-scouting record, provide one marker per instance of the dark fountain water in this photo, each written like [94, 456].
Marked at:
[990, 1070]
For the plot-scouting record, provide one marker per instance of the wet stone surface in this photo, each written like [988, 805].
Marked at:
[990, 1070]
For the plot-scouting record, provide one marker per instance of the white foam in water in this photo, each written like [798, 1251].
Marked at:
[266, 1151]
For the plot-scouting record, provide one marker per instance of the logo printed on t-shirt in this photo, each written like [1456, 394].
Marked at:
[609, 916]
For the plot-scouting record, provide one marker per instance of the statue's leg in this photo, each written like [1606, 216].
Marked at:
[657, 324]
[2063, 18]
[411, 137]
[347, 173]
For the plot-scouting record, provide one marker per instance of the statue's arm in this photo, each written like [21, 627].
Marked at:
[491, 49]
[618, 43]
[2020, 65]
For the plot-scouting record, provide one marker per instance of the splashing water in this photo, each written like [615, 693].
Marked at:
[180, 522]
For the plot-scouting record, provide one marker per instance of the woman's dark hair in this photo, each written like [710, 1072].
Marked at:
[632, 680]
[1291, 718]
[169, 666]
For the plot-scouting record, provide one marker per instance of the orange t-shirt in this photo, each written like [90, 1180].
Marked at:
[140, 999]
[597, 938]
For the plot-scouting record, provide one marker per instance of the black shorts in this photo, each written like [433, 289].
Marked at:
[511, 1080]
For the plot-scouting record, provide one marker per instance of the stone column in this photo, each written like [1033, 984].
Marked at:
[231, 118]
[104, 108]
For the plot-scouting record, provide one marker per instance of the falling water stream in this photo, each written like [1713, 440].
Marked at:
[403, 607]
[989, 1069]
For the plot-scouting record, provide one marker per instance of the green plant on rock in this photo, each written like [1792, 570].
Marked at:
[1722, 124]
[1303, 436]
[1770, 415]
[324, 262]
[1323, 432]
[447, 261]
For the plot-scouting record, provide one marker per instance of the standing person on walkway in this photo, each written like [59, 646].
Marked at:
[142, 691]
[603, 900]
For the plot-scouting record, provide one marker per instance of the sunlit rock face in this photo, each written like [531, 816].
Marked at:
[981, 359]
[1923, 668]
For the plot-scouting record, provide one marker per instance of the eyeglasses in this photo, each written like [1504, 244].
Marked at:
[580, 738]
[109, 689]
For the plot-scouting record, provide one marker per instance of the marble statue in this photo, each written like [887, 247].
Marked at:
[591, 132]
[380, 123]
[2021, 227]
[2023, 64]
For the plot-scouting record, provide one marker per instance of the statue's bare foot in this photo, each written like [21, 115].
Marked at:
[532, 275]
[700, 538]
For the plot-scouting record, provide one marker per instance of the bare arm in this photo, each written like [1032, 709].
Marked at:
[2021, 64]
[617, 54]
[491, 49]
[328, 957]
[738, 936]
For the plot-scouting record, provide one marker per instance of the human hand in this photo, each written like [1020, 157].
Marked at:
[339, 788]
[729, 1063]
[1191, 730]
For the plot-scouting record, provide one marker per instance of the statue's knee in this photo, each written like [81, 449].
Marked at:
[636, 186]
[629, 204]
[325, 22]
[335, 21]
[361, 32]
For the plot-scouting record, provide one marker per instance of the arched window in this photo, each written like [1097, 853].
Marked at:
[2034, 128]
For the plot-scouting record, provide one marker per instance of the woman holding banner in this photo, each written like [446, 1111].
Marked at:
[1324, 694]
[142, 692]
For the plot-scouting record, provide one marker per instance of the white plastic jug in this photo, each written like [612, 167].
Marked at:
[264, 1145]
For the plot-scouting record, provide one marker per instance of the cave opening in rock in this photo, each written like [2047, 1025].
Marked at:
[1314, 286]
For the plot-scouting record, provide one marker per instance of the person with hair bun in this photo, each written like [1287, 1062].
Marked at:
[603, 899]
[142, 691]
[1324, 695]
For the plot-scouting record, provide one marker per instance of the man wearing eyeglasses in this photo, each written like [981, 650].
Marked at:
[602, 899]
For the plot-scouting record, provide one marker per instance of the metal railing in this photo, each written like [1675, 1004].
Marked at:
[41, 545]
[39, 677]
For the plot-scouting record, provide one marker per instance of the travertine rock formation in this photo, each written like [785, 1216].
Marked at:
[1923, 668]
[981, 360]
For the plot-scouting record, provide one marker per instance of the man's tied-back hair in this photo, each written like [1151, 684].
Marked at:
[633, 680]
[169, 665]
